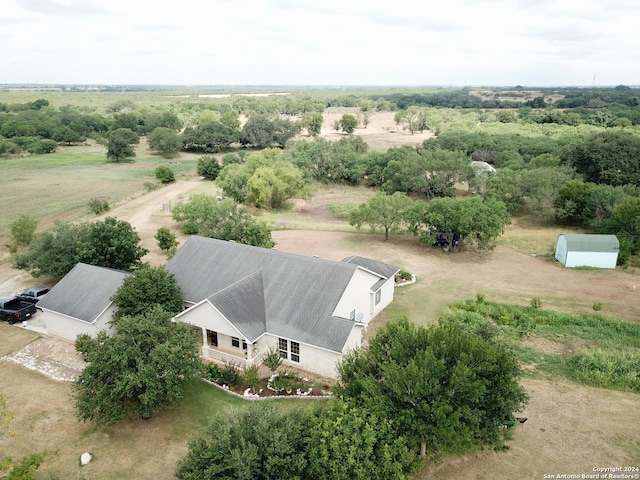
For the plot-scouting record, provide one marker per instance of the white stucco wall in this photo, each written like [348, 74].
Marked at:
[357, 296]
[205, 315]
[312, 359]
[69, 328]
[386, 296]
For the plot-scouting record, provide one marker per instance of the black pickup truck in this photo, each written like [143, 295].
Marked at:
[14, 310]
[33, 295]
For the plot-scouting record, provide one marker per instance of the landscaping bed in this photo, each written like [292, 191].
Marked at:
[249, 384]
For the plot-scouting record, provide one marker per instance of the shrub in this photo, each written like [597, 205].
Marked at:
[166, 238]
[229, 374]
[251, 376]
[272, 359]
[151, 186]
[42, 146]
[212, 372]
[164, 174]
[536, 302]
[402, 276]
[230, 158]
[98, 206]
[208, 167]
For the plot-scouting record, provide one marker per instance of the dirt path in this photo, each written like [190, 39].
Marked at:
[152, 211]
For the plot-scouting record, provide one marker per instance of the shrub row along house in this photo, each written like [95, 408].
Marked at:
[244, 301]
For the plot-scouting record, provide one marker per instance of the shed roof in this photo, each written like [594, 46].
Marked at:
[586, 242]
[298, 296]
[85, 292]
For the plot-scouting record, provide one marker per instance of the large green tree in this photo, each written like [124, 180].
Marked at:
[208, 167]
[611, 157]
[120, 143]
[113, 243]
[55, 251]
[470, 220]
[432, 172]
[443, 388]
[147, 287]
[108, 243]
[138, 370]
[222, 219]
[348, 123]
[259, 442]
[266, 179]
[624, 222]
[413, 119]
[312, 121]
[165, 141]
[382, 211]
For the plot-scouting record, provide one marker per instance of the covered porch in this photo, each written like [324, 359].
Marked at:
[227, 349]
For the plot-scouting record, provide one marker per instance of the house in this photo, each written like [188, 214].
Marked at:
[81, 301]
[246, 300]
[587, 250]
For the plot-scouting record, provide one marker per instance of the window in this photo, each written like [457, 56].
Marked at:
[352, 315]
[283, 347]
[244, 345]
[235, 342]
[295, 351]
[378, 296]
[212, 338]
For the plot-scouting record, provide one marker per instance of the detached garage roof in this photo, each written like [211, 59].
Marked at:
[591, 242]
[84, 293]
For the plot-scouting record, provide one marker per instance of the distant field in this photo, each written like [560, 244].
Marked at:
[58, 186]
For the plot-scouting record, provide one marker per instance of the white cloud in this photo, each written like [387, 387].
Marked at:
[375, 42]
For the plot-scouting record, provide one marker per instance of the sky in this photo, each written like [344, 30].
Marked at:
[321, 42]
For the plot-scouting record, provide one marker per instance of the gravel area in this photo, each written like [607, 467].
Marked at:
[51, 356]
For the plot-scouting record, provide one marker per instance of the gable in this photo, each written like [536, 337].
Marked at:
[243, 305]
[84, 293]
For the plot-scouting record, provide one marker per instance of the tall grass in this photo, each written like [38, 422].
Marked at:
[604, 352]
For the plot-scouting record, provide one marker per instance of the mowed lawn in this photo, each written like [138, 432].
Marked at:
[59, 186]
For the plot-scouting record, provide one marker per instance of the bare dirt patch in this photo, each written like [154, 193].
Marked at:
[381, 133]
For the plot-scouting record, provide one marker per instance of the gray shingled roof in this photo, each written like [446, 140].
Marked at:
[383, 269]
[299, 293]
[84, 293]
[243, 304]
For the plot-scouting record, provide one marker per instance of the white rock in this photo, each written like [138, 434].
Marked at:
[85, 458]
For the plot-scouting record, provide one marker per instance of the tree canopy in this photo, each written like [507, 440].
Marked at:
[223, 219]
[138, 370]
[147, 287]
[108, 243]
[256, 443]
[443, 388]
[384, 211]
[165, 141]
[120, 144]
[265, 179]
[469, 219]
[611, 157]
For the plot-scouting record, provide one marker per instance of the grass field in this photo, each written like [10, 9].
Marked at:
[58, 186]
